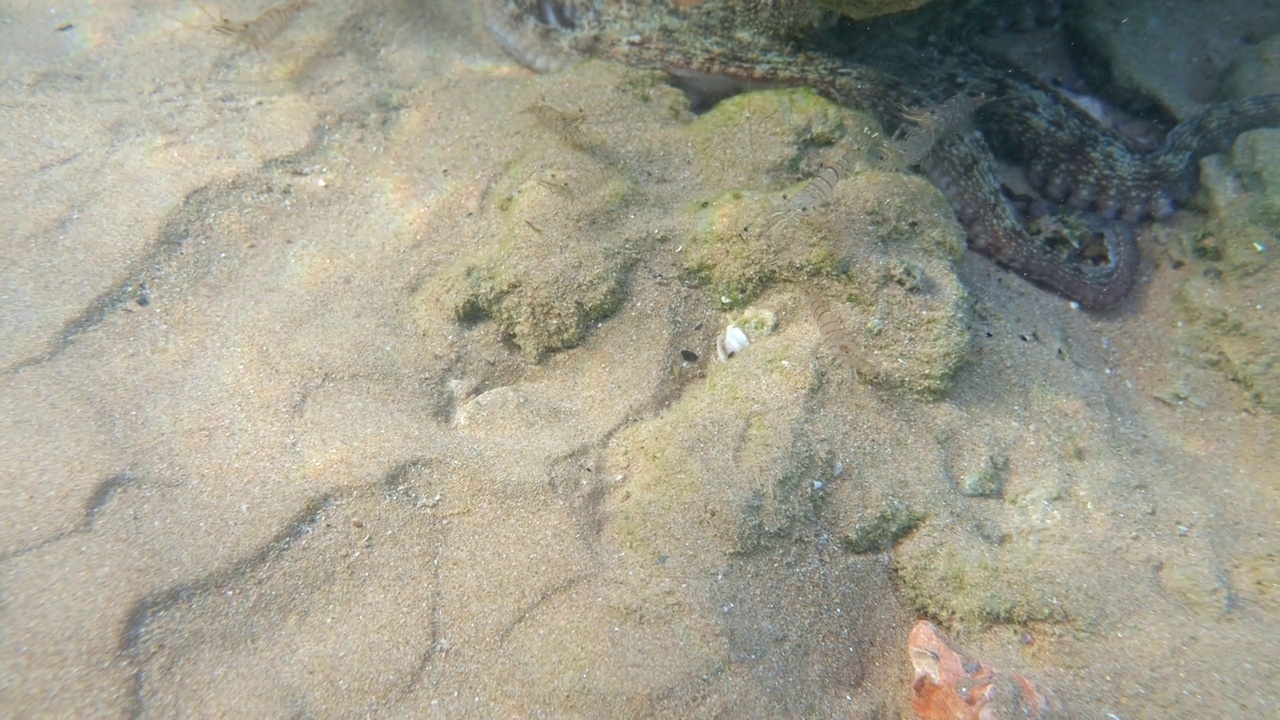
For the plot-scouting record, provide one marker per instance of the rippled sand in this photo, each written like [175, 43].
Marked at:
[257, 459]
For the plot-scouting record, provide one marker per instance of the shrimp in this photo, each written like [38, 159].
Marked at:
[262, 29]
[566, 125]
[831, 329]
[820, 188]
[932, 126]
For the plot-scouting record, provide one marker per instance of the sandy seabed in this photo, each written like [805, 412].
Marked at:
[258, 458]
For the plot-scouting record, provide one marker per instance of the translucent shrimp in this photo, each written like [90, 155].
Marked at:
[932, 125]
[262, 29]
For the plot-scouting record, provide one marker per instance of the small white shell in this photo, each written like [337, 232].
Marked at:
[731, 343]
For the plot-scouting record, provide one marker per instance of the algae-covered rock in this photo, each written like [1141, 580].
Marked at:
[1243, 197]
[1259, 575]
[716, 509]
[778, 129]
[882, 249]
[725, 469]
[552, 250]
[565, 223]
[883, 531]
[1197, 585]
[735, 248]
[1154, 61]
[960, 579]
[1255, 70]
[976, 469]
[781, 20]
[1236, 253]
[1243, 348]
[983, 477]
[553, 273]
[882, 245]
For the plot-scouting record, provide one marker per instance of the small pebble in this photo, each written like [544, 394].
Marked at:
[731, 343]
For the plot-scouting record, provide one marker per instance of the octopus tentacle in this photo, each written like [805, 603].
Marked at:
[1072, 160]
[964, 170]
[531, 35]
[1070, 157]
[1212, 130]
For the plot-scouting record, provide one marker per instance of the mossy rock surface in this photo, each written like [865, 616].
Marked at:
[884, 530]
[865, 9]
[555, 240]
[882, 251]
[567, 221]
[725, 469]
[764, 121]
[554, 273]
[1235, 255]
[959, 579]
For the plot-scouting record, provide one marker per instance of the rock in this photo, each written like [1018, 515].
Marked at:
[723, 470]
[882, 246]
[1255, 71]
[549, 278]
[1198, 586]
[966, 580]
[1235, 253]
[1171, 55]
[985, 480]
[952, 686]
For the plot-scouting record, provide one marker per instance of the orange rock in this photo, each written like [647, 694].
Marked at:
[951, 686]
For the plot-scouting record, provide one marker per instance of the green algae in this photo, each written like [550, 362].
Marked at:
[551, 275]
[800, 115]
[882, 532]
[960, 580]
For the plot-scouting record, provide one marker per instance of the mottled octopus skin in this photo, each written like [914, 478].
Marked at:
[889, 69]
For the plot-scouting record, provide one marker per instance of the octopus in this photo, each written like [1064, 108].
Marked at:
[892, 67]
